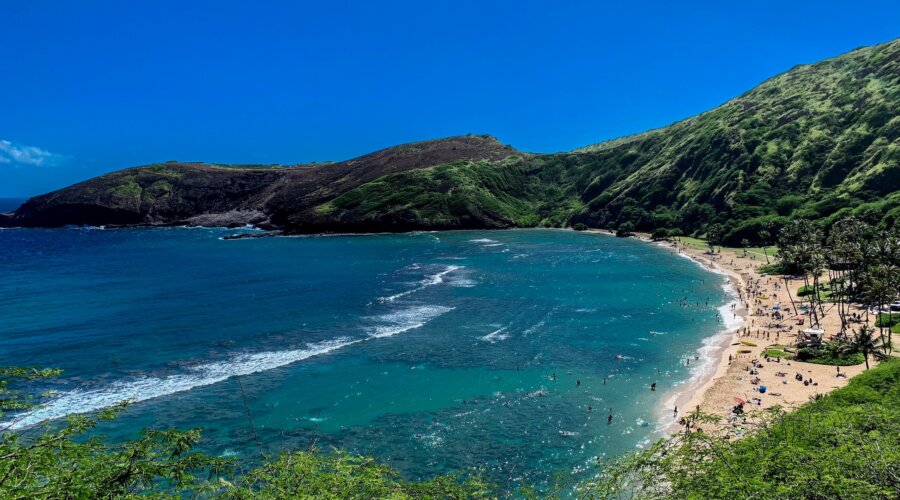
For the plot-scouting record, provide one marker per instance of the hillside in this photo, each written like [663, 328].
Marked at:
[224, 195]
[841, 445]
[818, 141]
[811, 142]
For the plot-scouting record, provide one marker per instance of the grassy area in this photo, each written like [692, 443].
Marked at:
[777, 351]
[701, 244]
[842, 445]
[823, 357]
[891, 321]
[824, 292]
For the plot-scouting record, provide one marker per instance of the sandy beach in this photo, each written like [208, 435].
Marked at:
[733, 364]
[739, 365]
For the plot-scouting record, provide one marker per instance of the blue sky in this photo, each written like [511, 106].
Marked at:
[89, 87]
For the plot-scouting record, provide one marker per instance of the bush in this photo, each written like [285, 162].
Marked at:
[826, 356]
[61, 461]
[887, 320]
[842, 445]
[579, 226]
[625, 229]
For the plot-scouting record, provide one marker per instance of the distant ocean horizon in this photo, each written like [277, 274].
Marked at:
[433, 351]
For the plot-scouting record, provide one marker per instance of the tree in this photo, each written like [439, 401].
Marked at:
[864, 342]
[847, 249]
[625, 229]
[714, 235]
[67, 460]
[62, 461]
[764, 235]
[878, 287]
[800, 249]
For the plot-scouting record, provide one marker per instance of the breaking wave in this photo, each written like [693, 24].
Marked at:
[405, 320]
[144, 388]
[430, 280]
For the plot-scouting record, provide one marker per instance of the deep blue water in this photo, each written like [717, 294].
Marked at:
[432, 351]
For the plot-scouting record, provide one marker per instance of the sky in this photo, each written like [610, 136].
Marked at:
[94, 86]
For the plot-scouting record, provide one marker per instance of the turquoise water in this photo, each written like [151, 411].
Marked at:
[432, 351]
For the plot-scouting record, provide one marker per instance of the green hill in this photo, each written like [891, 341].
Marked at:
[819, 141]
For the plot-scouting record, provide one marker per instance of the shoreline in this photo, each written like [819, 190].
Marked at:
[690, 392]
[737, 366]
[715, 347]
[736, 351]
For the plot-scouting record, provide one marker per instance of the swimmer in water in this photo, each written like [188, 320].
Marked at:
[609, 419]
[653, 386]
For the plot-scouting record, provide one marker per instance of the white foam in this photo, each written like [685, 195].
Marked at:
[405, 320]
[144, 388]
[483, 240]
[496, 336]
[430, 280]
[711, 350]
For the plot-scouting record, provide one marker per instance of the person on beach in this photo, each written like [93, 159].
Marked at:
[675, 412]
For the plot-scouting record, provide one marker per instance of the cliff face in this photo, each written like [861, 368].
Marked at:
[819, 141]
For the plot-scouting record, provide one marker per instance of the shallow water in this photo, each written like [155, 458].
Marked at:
[432, 351]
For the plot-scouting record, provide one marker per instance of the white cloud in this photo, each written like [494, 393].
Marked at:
[19, 154]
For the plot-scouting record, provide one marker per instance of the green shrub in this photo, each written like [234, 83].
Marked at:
[841, 445]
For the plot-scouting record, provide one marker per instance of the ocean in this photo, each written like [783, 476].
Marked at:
[501, 350]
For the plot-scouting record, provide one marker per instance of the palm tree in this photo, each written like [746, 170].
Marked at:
[764, 234]
[864, 342]
[846, 251]
[714, 235]
[878, 287]
[800, 248]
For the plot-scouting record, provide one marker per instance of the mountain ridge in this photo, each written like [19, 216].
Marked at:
[818, 141]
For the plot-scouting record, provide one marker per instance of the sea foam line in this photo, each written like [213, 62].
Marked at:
[496, 336]
[431, 280]
[145, 388]
[405, 320]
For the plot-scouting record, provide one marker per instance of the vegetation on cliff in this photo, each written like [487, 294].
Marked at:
[819, 142]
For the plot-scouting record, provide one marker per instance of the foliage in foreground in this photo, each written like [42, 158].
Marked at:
[69, 461]
[843, 445]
